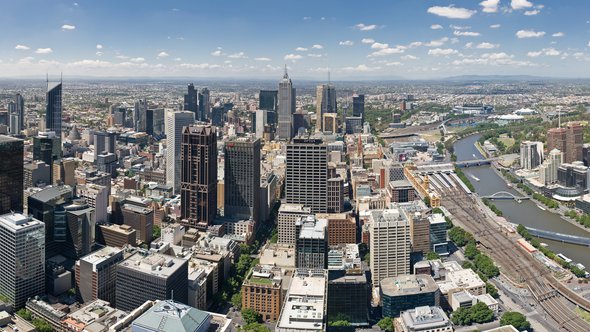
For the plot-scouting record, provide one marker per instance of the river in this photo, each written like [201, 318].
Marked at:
[526, 213]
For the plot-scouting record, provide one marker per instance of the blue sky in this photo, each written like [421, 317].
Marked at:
[254, 39]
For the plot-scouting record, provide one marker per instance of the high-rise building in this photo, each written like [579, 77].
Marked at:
[169, 315]
[153, 277]
[268, 100]
[19, 102]
[11, 174]
[155, 121]
[306, 179]
[53, 110]
[438, 234]
[325, 103]
[556, 139]
[190, 99]
[47, 148]
[97, 197]
[389, 244]
[426, 319]
[311, 250]
[204, 113]
[104, 142]
[548, 170]
[420, 233]
[198, 183]
[96, 275]
[358, 106]
[80, 229]
[531, 154]
[348, 296]
[141, 219]
[140, 115]
[574, 142]
[286, 107]
[242, 178]
[22, 263]
[341, 228]
[175, 122]
[287, 217]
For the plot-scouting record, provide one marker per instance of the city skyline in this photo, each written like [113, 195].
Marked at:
[405, 39]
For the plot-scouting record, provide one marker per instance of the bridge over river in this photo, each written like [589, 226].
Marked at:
[567, 238]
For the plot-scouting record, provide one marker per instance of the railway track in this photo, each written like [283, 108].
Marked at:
[519, 266]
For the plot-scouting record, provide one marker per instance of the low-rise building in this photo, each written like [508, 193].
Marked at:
[169, 315]
[407, 292]
[423, 319]
[264, 290]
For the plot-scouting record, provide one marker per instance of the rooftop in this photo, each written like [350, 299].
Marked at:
[16, 222]
[424, 318]
[294, 208]
[305, 303]
[408, 284]
[50, 193]
[312, 228]
[155, 264]
[172, 316]
[436, 218]
[101, 255]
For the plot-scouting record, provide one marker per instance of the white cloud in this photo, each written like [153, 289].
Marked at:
[292, 57]
[409, 57]
[365, 27]
[263, 59]
[26, 60]
[138, 59]
[68, 27]
[361, 68]
[437, 42]
[162, 54]
[306, 18]
[532, 12]
[177, 59]
[198, 66]
[558, 34]
[442, 51]
[21, 47]
[486, 45]
[415, 44]
[346, 43]
[436, 26]
[367, 40]
[98, 53]
[44, 50]
[99, 46]
[469, 45]
[529, 34]
[217, 52]
[550, 51]
[317, 47]
[239, 55]
[466, 33]
[459, 27]
[534, 54]
[388, 51]
[379, 46]
[520, 4]
[301, 49]
[495, 26]
[122, 57]
[489, 6]
[493, 59]
[395, 63]
[314, 55]
[451, 12]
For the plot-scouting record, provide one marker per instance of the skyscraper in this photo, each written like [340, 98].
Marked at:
[242, 178]
[569, 140]
[20, 110]
[198, 183]
[47, 148]
[11, 174]
[312, 243]
[358, 106]
[190, 100]
[306, 179]
[96, 275]
[175, 121]
[204, 105]
[53, 110]
[325, 103]
[22, 258]
[268, 100]
[531, 154]
[140, 115]
[104, 142]
[286, 107]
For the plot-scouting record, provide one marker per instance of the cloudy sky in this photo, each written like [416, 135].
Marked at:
[413, 39]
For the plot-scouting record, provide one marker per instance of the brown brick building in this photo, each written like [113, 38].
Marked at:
[341, 228]
[263, 291]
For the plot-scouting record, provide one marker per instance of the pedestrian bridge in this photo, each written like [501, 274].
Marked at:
[474, 162]
[566, 238]
[505, 196]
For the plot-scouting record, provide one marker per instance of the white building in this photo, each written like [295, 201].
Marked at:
[175, 121]
[22, 258]
[423, 319]
[96, 196]
[389, 244]
[531, 154]
[548, 170]
[288, 215]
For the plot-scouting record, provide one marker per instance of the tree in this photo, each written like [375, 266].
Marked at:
[255, 327]
[236, 300]
[486, 266]
[431, 255]
[481, 313]
[339, 323]
[427, 201]
[492, 290]
[156, 232]
[41, 325]
[471, 250]
[25, 314]
[515, 319]
[251, 316]
[386, 324]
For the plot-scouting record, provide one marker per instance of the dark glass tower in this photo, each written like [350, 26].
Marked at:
[242, 178]
[53, 110]
[11, 174]
[20, 110]
[204, 105]
[358, 106]
[190, 99]
[198, 175]
[268, 100]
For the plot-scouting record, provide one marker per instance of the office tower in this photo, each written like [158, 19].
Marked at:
[574, 142]
[204, 105]
[268, 100]
[97, 197]
[348, 297]
[22, 266]
[14, 124]
[406, 292]
[420, 233]
[242, 178]
[19, 103]
[438, 234]
[358, 106]
[175, 122]
[36, 173]
[325, 103]
[107, 163]
[354, 125]
[116, 235]
[141, 219]
[531, 154]
[287, 217]
[286, 107]
[548, 170]
[306, 180]
[64, 172]
[218, 115]
[140, 115]
[389, 244]
[47, 147]
[53, 110]
[311, 250]
[80, 224]
[556, 139]
[150, 277]
[198, 183]
[96, 275]
[47, 206]
[260, 122]
[341, 228]
[104, 142]
[330, 123]
[190, 99]
[262, 291]
[335, 195]
[11, 174]
[155, 121]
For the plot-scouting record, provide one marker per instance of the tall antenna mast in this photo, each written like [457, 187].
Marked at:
[329, 77]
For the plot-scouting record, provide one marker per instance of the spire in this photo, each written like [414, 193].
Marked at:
[286, 75]
[328, 77]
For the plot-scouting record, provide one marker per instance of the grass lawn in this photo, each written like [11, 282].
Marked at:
[508, 142]
[583, 313]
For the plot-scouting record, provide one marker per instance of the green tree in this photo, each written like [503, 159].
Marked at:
[251, 316]
[339, 323]
[515, 319]
[462, 316]
[386, 324]
[492, 290]
[41, 325]
[471, 250]
[156, 232]
[25, 314]
[255, 327]
[236, 300]
[431, 255]
[485, 265]
[481, 313]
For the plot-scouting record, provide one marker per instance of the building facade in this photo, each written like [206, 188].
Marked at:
[389, 244]
[11, 174]
[96, 275]
[175, 122]
[242, 178]
[306, 179]
[286, 108]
